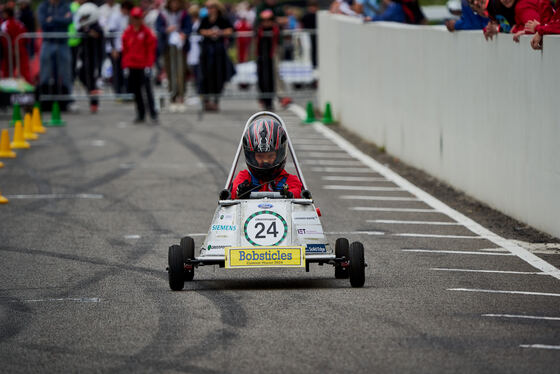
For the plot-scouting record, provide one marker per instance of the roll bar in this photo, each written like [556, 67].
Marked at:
[240, 146]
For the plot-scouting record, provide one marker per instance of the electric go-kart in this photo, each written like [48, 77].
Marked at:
[266, 230]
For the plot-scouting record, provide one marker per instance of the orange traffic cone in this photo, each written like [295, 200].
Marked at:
[3, 200]
[28, 133]
[37, 122]
[19, 141]
[5, 149]
[1, 164]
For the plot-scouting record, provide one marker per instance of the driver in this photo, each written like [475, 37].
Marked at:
[265, 144]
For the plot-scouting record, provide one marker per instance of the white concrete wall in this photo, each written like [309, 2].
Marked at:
[481, 116]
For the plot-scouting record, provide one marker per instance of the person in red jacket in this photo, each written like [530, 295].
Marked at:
[265, 146]
[13, 28]
[525, 11]
[138, 57]
[549, 23]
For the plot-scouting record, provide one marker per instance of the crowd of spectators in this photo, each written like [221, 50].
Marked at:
[83, 41]
[518, 17]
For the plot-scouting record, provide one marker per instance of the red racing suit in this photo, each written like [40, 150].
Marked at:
[293, 182]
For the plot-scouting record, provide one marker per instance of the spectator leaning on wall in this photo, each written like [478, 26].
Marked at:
[549, 23]
[469, 20]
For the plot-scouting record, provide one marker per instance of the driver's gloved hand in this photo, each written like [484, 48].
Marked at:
[244, 190]
[287, 193]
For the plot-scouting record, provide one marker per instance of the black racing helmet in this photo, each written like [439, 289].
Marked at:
[265, 134]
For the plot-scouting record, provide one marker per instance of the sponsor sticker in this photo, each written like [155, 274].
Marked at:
[305, 218]
[262, 257]
[316, 248]
[265, 206]
[224, 228]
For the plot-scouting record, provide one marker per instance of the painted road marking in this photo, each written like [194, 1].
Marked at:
[490, 271]
[396, 222]
[133, 236]
[77, 299]
[360, 188]
[473, 226]
[540, 346]
[97, 143]
[522, 317]
[340, 170]
[327, 155]
[456, 252]
[411, 210]
[319, 147]
[57, 196]
[505, 292]
[377, 233]
[331, 162]
[377, 198]
[353, 179]
[415, 235]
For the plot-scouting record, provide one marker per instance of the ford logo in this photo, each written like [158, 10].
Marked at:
[265, 206]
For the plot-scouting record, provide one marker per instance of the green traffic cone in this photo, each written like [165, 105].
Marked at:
[56, 120]
[310, 113]
[16, 115]
[327, 116]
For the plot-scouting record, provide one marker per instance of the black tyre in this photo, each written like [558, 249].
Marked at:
[187, 246]
[176, 268]
[357, 268]
[341, 249]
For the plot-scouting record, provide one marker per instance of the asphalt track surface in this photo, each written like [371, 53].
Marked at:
[94, 207]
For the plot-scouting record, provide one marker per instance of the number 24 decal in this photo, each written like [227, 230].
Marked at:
[270, 231]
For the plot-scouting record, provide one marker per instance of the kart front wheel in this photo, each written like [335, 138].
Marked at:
[176, 268]
[187, 246]
[341, 250]
[357, 268]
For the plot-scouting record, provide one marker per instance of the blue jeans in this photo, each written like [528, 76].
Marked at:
[56, 55]
[393, 13]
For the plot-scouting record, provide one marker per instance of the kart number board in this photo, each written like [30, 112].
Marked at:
[263, 257]
[265, 228]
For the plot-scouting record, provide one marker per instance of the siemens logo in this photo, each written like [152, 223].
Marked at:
[267, 256]
[224, 228]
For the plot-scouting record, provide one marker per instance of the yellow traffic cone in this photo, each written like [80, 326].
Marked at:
[3, 200]
[19, 141]
[5, 150]
[1, 164]
[28, 133]
[37, 122]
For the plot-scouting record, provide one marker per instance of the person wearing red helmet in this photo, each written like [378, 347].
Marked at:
[138, 56]
[265, 146]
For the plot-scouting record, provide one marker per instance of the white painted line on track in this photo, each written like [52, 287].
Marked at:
[340, 170]
[490, 271]
[132, 236]
[57, 196]
[377, 198]
[493, 249]
[410, 210]
[331, 162]
[198, 234]
[324, 155]
[343, 178]
[318, 147]
[299, 141]
[76, 299]
[396, 222]
[540, 346]
[505, 292]
[522, 317]
[415, 235]
[97, 143]
[360, 188]
[456, 252]
[473, 226]
[377, 233]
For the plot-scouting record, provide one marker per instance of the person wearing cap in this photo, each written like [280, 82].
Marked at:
[138, 57]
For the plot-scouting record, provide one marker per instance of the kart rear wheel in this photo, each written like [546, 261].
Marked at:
[341, 249]
[187, 246]
[176, 268]
[357, 267]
